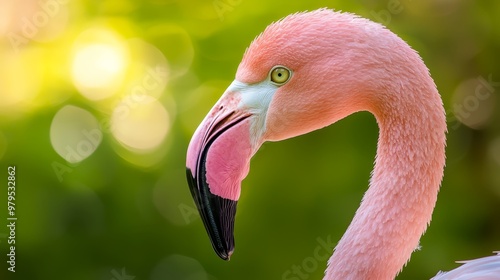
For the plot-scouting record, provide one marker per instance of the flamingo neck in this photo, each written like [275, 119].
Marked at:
[398, 205]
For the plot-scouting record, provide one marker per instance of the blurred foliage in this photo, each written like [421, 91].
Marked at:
[122, 206]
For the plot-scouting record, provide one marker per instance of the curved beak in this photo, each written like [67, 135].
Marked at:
[217, 161]
[217, 214]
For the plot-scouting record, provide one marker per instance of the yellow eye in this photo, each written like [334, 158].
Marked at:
[280, 75]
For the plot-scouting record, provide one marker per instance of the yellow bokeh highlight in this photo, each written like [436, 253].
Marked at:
[99, 64]
[20, 81]
[140, 123]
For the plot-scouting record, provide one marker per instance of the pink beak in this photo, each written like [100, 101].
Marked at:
[217, 161]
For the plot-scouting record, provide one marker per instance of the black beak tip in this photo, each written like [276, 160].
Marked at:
[226, 255]
[217, 214]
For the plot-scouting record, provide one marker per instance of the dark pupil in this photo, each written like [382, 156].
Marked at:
[279, 74]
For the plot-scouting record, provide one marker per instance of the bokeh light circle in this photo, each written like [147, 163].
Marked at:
[20, 80]
[74, 134]
[149, 69]
[96, 65]
[140, 123]
[179, 267]
[474, 102]
[177, 46]
[25, 21]
[99, 64]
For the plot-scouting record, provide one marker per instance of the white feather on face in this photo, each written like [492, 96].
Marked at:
[255, 98]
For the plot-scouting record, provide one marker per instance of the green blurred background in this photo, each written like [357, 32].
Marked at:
[99, 99]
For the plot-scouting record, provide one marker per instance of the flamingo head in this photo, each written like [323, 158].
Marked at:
[278, 93]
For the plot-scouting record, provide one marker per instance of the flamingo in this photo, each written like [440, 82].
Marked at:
[306, 72]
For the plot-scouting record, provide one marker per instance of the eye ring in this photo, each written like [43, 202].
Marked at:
[279, 75]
